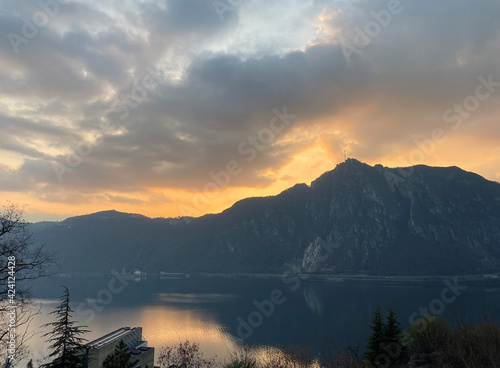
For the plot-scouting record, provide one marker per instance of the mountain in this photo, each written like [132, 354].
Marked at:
[354, 219]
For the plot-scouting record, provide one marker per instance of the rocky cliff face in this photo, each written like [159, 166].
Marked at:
[356, 218]
[420, 220]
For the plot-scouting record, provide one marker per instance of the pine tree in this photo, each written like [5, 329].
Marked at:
[121, 357]
[30, 364]
[392, 328]
[64, 339]
[374, 345]
[393, 335]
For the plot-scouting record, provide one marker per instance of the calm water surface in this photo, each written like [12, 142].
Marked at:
[320, 315]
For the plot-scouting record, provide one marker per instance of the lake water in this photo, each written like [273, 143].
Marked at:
[209, 311]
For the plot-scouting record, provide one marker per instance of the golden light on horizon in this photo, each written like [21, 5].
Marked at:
[310, 162]
[182, 111]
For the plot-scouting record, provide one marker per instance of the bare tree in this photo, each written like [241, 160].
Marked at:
[187, 354]
[21, 260]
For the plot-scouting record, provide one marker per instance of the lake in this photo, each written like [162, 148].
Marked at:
[210, 311]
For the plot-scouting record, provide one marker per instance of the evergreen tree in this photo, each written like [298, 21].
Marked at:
[121, 357]
[64, 339]
[30, 364]
[374, 345]
[392, 332]
[392, 328]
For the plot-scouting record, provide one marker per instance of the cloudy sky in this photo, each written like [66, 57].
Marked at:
[182, 107]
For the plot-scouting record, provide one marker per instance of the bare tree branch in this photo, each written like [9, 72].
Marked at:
[21, 260]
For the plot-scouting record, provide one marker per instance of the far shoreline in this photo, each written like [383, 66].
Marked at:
[477, 279]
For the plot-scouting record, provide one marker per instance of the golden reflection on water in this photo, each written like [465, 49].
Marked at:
[167, 321]
[164, 326]
[269, 356]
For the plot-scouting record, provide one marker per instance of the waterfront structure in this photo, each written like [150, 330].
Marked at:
[98, 350]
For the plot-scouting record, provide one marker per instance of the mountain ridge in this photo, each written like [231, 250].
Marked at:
[301, 185]
[386, 221]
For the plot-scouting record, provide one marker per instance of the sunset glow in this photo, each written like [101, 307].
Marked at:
[89, 123]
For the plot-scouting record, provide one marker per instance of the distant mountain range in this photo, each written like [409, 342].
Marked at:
[354, 219]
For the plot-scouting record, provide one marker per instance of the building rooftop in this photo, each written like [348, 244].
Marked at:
[130, 336]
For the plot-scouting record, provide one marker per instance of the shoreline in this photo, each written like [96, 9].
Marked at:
[486, 279]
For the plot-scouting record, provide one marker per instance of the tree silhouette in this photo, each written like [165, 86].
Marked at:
[21, 260]
[392, 329]
[392, 338]
[64, 339]
[120, 358]
[374, 345]
[386, 340]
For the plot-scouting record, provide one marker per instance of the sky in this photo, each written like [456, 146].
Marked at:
[174, 108]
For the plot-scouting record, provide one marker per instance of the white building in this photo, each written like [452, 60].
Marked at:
[98, 350]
